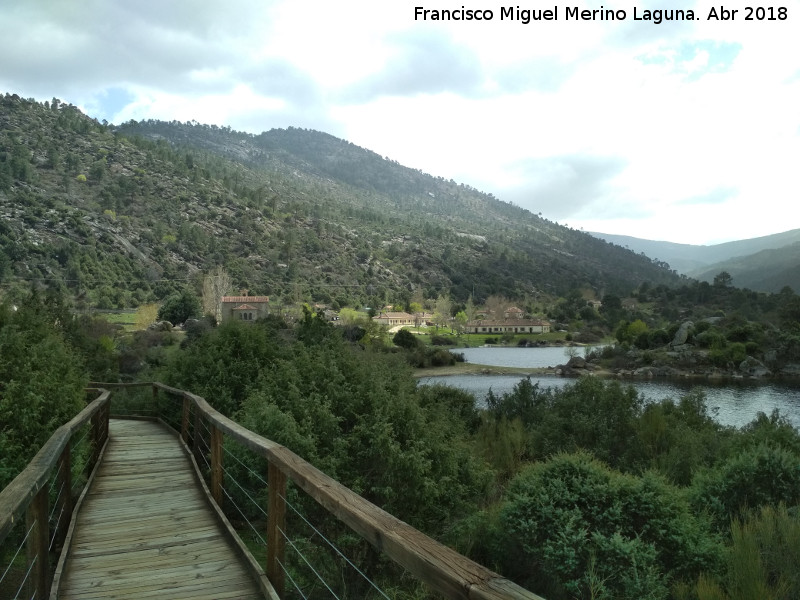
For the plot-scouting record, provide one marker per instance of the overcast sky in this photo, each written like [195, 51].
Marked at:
[686, 131]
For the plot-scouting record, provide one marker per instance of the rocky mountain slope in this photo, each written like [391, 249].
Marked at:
[123, 215]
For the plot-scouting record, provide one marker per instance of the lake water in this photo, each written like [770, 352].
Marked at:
[733, 403]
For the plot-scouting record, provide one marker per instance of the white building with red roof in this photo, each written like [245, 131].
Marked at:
[244, 308]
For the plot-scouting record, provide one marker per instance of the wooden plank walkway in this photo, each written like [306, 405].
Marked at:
[145, 529]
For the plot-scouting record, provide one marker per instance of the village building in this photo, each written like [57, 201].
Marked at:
[508, 326]
[244, 308]
[513, 313]
[393, 319]
[423, 319]
[629, 304]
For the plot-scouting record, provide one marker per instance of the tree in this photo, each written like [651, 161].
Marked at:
[179, 307]
[496, 307]
[42, 382]
[215, 285]
[470, 310]
[723, 279]
[415, 308]
[461, 320]
[145, 315]
[405, 339]
[441, 313]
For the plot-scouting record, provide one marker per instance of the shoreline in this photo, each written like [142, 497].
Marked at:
[478, 369]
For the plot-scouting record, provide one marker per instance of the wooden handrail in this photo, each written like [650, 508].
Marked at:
[442, 568]
[27, 494]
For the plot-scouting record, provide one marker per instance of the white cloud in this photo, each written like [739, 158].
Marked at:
[674, 130]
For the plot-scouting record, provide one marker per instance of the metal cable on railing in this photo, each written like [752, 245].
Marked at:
[245, 492]
[83, 437]
[84, 472]
[252, 472]
[30, 566]
[55, 530]
[55, 478]
[20, 547]
[291, 579]
[335, 549]
[239, 510]
[58, 497]
[305, 560]
[202, 452]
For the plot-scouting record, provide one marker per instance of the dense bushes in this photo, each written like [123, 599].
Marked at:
[42, 380]
[762, 476]
[354, 413]
[420, 356]
[573, 528]
[650, 519]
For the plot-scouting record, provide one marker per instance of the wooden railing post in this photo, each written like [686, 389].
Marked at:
[155, 401]
[107, 423]
[97, 442]
[216, 464]
[65, 485]
[276, 525]
[36, 518]
[198, 436]
[185, 421]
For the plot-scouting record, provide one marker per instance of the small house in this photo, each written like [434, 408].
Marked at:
[244, 308]
[393, 319]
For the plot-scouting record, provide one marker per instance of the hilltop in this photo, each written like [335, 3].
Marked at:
[121, 215]
[764, 264]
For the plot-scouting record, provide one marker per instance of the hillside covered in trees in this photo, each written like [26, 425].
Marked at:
[121, 215]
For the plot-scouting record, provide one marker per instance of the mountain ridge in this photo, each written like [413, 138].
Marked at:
[764, 263]
[120, 215]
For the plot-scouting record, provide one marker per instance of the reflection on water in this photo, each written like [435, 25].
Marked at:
[735, 403]
[534, 358]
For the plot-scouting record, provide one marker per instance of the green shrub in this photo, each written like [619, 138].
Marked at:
[573, 528]
[405, 339]
[765, 475]
[440, 340]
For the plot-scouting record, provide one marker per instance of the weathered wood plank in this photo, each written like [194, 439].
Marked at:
[147, 532]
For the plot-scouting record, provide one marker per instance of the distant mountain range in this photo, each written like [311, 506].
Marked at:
[766, 263]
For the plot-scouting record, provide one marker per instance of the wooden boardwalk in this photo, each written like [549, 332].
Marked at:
[145, 529]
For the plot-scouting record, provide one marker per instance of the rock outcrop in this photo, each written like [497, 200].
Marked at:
[754, 368]
[682, 334]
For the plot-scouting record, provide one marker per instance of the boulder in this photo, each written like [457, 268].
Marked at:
[682, 334]
[576, 362]
[754, 368]
[160, 326]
